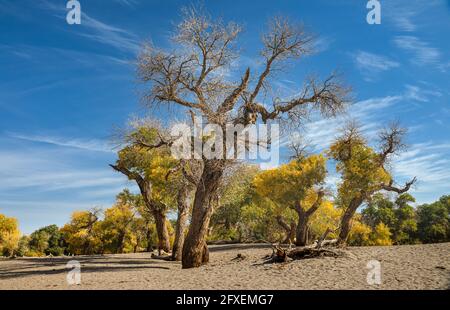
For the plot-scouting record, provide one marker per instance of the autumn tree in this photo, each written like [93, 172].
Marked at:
[115, 227]
[80, 233]
[9, 235]
[296, 185]
[364, 171]
[149, 167]
[143, 224]
[189, 76]
[399, 216]
[235, 193]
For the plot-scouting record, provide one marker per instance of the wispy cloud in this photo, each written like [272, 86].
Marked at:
[99, 31]
[321, 132]
[129, 3]
[35, 170]
[430, 163]
[407, 16]
[371, 64]
[419, 94]
[422, 52]
[95, 145]
[110, 35]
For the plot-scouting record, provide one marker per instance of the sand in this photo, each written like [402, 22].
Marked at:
[402, 267]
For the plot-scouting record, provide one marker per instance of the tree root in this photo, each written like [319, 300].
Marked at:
[282, 255]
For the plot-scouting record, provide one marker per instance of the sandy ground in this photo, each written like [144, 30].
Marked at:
[402, 267]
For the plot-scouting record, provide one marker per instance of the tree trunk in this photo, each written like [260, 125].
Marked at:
[162, 231]
[121, 242]
[303, 219]
[149, 239]
[195, 250]
[302, 229]
[289, 229]
[184, 203]
[346, 220]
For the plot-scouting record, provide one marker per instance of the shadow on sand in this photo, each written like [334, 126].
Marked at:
[25, 267]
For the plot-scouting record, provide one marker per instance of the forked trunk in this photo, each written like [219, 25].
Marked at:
[162, 231]
[184, 203]
[289, 229]
[195, 250]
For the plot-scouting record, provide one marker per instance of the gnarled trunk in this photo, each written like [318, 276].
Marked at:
[184, 203]
[289, 229]
[346, 220]
[195, 250]
[162, 231]
[303, 219]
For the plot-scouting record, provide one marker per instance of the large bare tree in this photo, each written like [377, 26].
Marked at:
[191, 76]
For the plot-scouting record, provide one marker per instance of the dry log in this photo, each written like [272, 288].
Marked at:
[305, 253]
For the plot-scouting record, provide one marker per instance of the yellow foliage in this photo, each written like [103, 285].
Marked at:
[293, 182]
[9, 235]
[362, 235]
[360, 168]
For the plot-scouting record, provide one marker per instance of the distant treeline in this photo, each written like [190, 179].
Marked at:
[126, 227]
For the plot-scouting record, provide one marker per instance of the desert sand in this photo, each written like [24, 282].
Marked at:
[402, 267]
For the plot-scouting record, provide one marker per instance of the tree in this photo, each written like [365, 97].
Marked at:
[236, 193]
[398, 216]
[149, 168]
[434, 221]
[116, 225]
[80, 233]
[189, 77]
[294, 185]
[363, 170]
[47, 241]
[9, 235]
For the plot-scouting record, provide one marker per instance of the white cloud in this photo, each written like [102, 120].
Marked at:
[110, 35]
[94, 145]
[430, 163]
[409, 16]
[99, 31]
[130, 3]
[321, 132]
[423, 53]
[416, 93]
[366, 61]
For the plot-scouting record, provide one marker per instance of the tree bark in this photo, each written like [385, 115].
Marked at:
[302, 230]
[149, 239]
[161, 230]
[303, 219]
[289, 229]
[195, 250]
[184, 203]
[346, 220]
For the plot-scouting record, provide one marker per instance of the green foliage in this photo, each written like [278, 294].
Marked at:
[433, 223]
[227, 222]
[398, 216]
[47, 241]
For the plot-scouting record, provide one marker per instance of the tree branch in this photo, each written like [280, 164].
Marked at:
[392, 188]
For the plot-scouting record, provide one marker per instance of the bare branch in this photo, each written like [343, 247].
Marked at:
[397, 190]
[391, 140]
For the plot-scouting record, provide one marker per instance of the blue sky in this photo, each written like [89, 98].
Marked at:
[64, 89]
